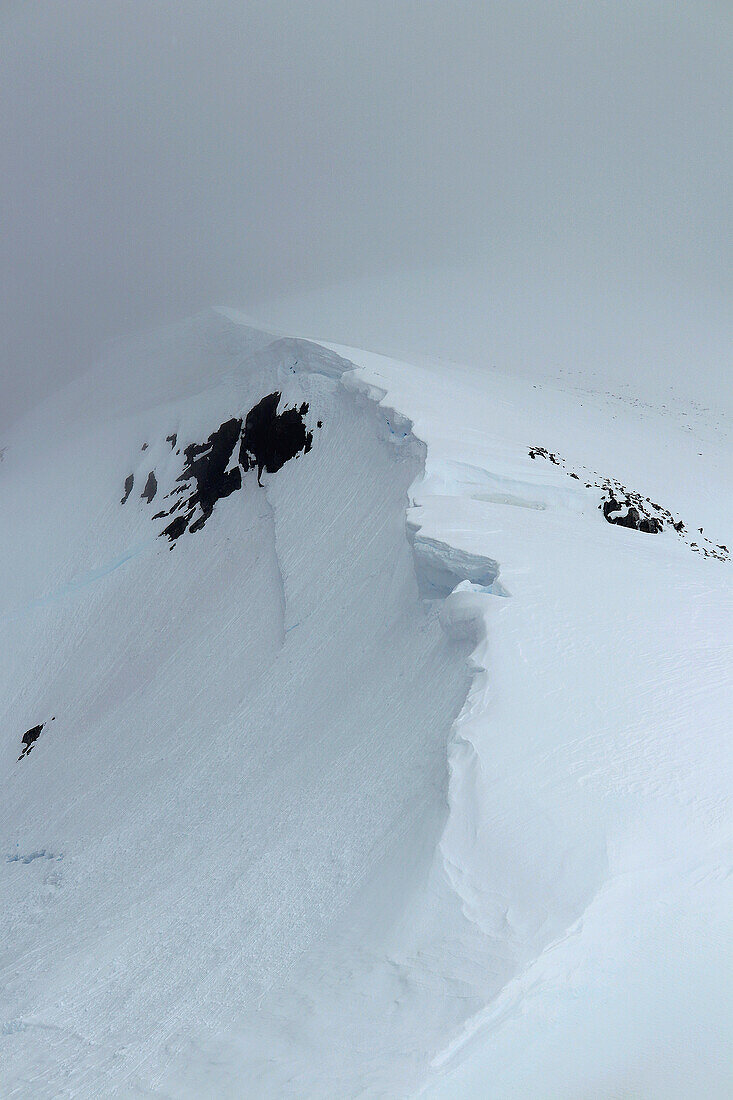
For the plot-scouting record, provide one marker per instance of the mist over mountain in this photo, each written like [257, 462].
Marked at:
[539, 183]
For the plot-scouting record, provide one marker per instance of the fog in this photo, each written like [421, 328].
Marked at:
[536, 186]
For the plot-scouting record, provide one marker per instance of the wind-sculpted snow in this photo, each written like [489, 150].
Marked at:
[254, 732]
[343, 805]
[29, 857]
[440, 568]
[586, 924]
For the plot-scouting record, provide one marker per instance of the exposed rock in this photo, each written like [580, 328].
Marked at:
[30, 737]
[151, 488]
[266, 440]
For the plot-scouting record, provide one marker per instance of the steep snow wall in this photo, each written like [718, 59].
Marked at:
[587, 841]
[249, 727]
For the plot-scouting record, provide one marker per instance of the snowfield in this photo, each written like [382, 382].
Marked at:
[404, 772]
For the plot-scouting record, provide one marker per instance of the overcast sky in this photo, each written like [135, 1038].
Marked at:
[515, 182]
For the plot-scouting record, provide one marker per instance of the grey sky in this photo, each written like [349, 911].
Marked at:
[569, 161]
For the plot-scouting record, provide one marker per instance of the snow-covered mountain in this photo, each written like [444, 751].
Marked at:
[364, 731]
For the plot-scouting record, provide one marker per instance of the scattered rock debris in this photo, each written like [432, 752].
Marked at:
[627, 508]
[541, 452]
[626, 514]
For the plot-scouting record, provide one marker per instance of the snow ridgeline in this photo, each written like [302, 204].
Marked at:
[590, 805]
[521, 880]
[246, 770]
[298, 848]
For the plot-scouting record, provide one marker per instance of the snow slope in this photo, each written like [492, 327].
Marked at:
[406, 773]
[590, 812]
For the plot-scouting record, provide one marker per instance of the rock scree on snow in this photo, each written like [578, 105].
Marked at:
[625, 514]
[628, 508]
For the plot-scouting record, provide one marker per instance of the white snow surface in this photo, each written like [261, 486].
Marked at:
[406, 775]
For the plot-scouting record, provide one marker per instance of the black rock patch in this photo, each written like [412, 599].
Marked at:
[624, 513]
[151, 488]
[30, 737]
[270, 439]
[265, 440]
[129, 482]
[205, 479]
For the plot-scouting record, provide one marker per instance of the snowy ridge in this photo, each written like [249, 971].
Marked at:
[503, 903]
[435, 759]
[588, 809]
[270, 703]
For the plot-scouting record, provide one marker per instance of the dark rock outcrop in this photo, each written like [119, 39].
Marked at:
[129, 482]
[265, 441]
[30, 737]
